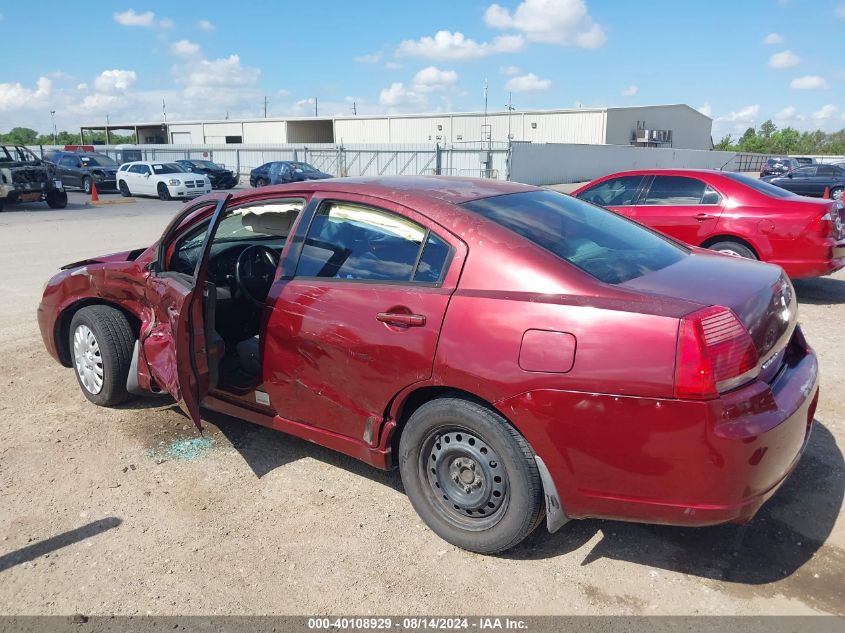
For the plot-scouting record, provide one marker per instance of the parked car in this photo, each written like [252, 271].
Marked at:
[26, 178]
[165, 180]
[731, 213]
[282, 171]
[80, 169]
[813, 180]
[514, 351]
[805, 160]
[778, 166]
[220, 177]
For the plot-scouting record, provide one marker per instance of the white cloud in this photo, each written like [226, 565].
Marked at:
[827, 112]
[369, 58]
[217, 83]
[509, 71]
[840, 11]
[809, 82]
[112, 81]
[392, 65]
[446, 45]
[630, 91]
[432, 79]
[14, 96]
[82, 86]
[131, 18]
[398, 98]
[528, 83]
[788, 114]
[564, 22]
[748, 114]
[185, 48]
[773, 38]
[706, 109]
[205, 25]
[166, 23]
[784, 59]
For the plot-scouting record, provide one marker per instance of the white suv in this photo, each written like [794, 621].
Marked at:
[165, 180]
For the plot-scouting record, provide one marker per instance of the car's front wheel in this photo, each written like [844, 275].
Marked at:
[101, 342]
[163, 192]
[56, 199]
[470, 475]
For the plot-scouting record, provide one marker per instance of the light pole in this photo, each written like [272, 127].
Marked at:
[53, 117]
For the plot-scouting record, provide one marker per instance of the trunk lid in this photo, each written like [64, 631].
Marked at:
[760, 295]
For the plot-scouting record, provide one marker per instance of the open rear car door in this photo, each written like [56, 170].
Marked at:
[174, 342]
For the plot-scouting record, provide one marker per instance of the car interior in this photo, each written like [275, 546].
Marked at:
[243, 259]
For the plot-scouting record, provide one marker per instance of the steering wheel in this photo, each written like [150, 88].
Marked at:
[254, 271]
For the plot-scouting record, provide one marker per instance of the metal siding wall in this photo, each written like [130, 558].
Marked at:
[420, 129]
[265, 132]
[690, 130]
[194, 129]
[561, 163]
[222, 129]
[564, 127]
[362, 130]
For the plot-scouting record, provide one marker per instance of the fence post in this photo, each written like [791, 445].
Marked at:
[437, 159]
[238, 162]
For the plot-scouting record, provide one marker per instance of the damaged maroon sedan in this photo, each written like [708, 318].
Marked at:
[515, 352]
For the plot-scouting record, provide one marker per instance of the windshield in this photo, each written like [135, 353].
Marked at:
[304, 167]
[204, 164]
[100, 160]
[167, 168]
[607, 246]
[759, 185]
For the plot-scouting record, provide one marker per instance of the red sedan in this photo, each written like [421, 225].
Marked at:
[515, 352]
[731, 213]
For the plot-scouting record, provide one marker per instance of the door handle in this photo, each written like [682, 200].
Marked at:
[401, 319]
[704, 216]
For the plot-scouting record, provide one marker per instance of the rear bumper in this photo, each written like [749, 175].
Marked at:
[831, 258]
[107, 184]
[671, 461]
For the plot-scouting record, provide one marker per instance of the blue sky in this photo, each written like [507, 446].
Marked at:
[741, 62]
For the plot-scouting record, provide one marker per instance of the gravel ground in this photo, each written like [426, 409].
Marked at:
[123, 511]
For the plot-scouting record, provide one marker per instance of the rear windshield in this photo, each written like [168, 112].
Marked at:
[599, 242]
[759, 185]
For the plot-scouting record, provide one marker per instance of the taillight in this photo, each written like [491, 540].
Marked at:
[715, 354]
[830, 223]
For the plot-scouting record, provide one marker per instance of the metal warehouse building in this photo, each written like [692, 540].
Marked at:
[677, 126]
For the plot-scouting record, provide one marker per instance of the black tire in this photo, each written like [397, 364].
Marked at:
[163, 192]
[116, 341]
[124, 189]
[448, 438]
[262, 182]
[56, 199]
[1, 205]
[730, 247]
[86, 185]
[836, 193]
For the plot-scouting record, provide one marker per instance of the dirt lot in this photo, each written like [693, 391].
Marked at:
[122, 511]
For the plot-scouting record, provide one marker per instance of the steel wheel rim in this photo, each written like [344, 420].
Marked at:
[86, 185]
[729, 251]
[465, 477]
[88, 360]
[837, 194]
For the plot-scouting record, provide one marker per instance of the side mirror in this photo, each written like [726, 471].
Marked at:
[147, 175]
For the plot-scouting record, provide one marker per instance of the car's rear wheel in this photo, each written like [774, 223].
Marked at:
[836, 193]
[470, 475]
[730, 247]
[163, 192]
[56, 199]
[101, 343]
[124, 189]
[86, 185]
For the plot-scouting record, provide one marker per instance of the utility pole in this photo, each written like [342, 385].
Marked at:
[53, 117]
[107, 129]
[484, 128]
[164, 110]
[265, 106]
[354, 109]
[315, 107]
[511, 108]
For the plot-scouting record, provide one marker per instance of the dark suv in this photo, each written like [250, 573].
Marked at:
[778, 166]
[80, 169]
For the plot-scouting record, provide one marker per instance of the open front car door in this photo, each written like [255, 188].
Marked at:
[174, 342]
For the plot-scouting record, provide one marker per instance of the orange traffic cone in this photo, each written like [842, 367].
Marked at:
[94, 195]
[826, 193]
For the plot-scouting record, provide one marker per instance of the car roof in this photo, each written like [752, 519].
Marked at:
[413, 189]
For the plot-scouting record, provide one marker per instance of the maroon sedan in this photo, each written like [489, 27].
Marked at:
[731, 213]
[515, 352]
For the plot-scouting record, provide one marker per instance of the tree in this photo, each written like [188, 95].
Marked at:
[20, 136]
[726, 144]
[767, 129]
